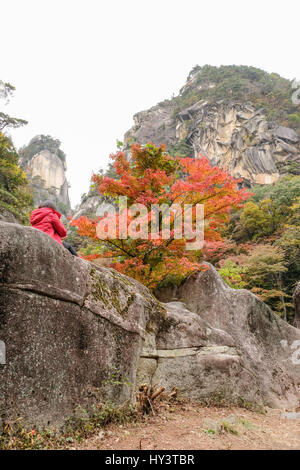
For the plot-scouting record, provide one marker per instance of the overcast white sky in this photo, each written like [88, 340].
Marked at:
[83, 68]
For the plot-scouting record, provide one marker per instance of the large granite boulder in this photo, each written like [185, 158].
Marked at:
[223, 345]
[286, 133]
[7, 216]
[72, 333]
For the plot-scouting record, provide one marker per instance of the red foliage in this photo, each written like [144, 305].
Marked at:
[154, 177]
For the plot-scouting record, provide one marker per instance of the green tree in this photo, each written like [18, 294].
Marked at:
[6, 91]
[289, 242]
[264, 269]
[15, 196]
[232, 274]
[267, 212]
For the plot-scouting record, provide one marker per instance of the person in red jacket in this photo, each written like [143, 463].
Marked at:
[47, 219]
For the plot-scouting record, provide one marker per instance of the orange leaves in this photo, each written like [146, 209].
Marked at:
[151, 177]
[86, 227]
[92, 257]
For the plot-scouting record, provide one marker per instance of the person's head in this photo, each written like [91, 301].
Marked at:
[49, 204]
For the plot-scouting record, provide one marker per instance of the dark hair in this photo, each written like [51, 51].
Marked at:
[49, 204]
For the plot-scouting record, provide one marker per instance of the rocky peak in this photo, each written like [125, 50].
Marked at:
[45, 165]
[237, 116]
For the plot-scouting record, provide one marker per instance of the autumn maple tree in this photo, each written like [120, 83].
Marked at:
[150, 176]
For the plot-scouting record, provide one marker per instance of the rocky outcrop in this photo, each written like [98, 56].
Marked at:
[46, 172]
[224, 344]
[72, 334]
[156, 125]
[296, 299]
[92, 205]
[233, 133]
[47, 167]
[234, 136]
[7, 216]
[88, 206]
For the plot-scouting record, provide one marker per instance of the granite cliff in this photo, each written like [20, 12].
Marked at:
[241, 118]
[45, 165]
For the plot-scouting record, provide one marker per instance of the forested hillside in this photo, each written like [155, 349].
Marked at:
[261, 248]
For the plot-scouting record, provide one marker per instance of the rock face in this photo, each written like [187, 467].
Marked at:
[7, 216]
[223, 345]
[234, 136]
[92, 205]
[156, 125]
[297, 306]
[46, 173]
[233, 133]
[88, 206]
[50, 169]
[72, 334]
[70, 329]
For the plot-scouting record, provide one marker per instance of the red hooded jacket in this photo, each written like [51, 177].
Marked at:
[48, 220]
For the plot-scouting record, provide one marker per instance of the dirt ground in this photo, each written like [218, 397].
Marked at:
[193, 427]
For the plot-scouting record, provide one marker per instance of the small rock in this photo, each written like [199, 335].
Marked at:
[210, 424]
[286, 133]
[101, 435]
[230, 419]
[290, 415]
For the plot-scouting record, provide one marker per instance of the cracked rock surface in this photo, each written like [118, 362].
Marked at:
[73, 333]
[234, 136]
